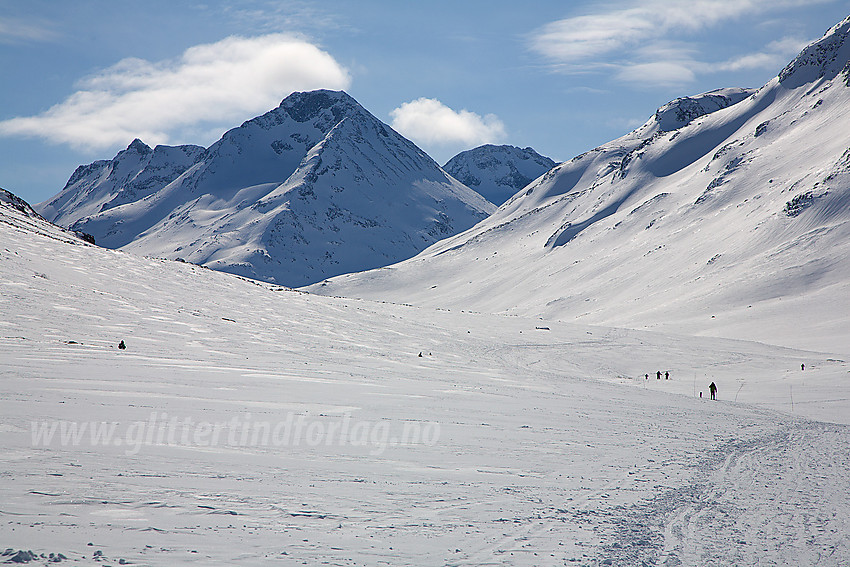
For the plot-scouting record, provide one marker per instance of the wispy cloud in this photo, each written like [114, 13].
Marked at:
[430, 122]
[276, 15]
[208, 85]
[661, 73]
[774, 55]
[14, 30]
[647, 41]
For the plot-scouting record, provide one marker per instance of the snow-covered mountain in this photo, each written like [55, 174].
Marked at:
[131, 175]
[725, 214]
[314, 188]
[497, 172]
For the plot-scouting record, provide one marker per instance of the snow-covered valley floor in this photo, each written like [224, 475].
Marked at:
[246, 424]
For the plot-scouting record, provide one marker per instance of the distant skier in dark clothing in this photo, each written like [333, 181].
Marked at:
[658, 375]
[121, 345]
[712, 388]
[666, 375]
[802, 367]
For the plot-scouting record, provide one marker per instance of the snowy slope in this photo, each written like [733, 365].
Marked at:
[726, 214]
[247, 424]
[314, 188]
[21, 215]
[498, 172]
[12, 201]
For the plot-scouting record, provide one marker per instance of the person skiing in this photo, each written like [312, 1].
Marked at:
[666, 375]
[121, 345]
[712, 388]
[658, 375]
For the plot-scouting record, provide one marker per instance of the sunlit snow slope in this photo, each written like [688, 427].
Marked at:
[726, 214]
[314, 188]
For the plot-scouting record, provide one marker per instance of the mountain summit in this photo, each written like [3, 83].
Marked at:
[313, 188]
[497, 172]
[727, 213]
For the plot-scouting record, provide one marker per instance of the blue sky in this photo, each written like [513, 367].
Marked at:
[81, 79]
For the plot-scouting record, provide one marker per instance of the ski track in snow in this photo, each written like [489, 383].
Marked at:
[773, 500]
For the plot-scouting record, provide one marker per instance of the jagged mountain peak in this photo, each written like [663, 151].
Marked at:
[136, 153]
[304, 106]
[822, 59]
[322, 108]
[138, 147]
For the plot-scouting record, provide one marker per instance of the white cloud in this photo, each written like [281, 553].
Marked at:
[633, 40]
[429, 122]
[208, 85]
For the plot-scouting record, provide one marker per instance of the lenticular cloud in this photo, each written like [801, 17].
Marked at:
[160, 101]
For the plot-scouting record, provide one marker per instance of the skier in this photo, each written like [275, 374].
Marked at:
[121, 345]
[666, 375]
[712, 388]
[658, 375]
[802, 367]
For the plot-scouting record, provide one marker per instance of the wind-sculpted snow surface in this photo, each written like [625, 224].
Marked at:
[726, 214]
[248, 424]
[314, 188]
[498, 172]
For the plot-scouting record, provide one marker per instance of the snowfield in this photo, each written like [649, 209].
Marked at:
[249, 424]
